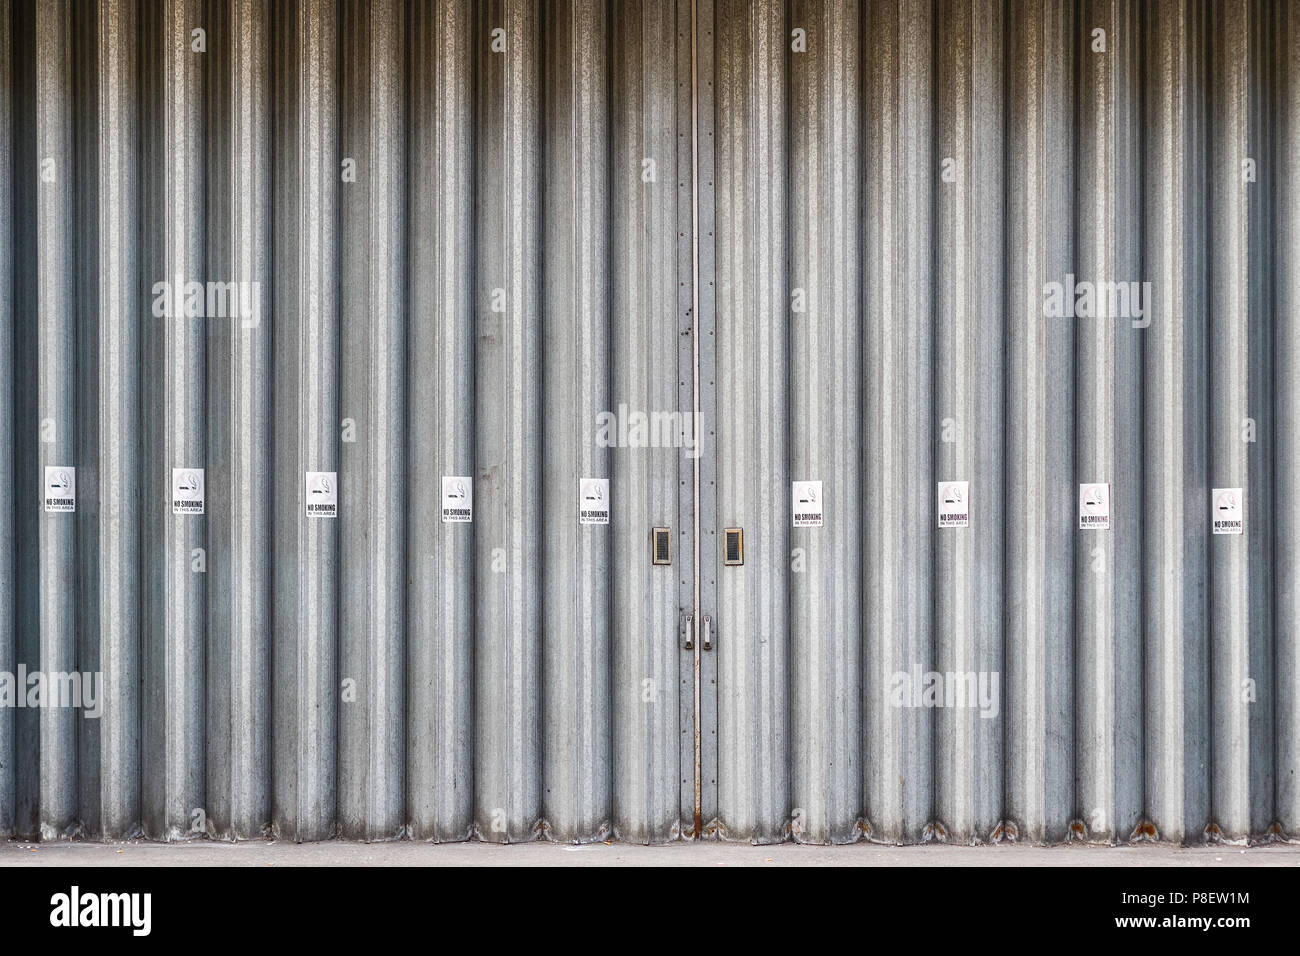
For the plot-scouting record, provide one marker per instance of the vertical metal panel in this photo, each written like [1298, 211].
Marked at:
[1040, 500]
[239, 490]
[1286, 411]
[440, 622]
[8, 538]
[685, 536]
[645, 176]
[507, 423]
[27, 404]
[697, 47]
[221, 420]
[825, 356]
[576, 753]
[753, 315]
[116, 324]
[1261, 131]
[85, 301]
[1241, 692]
[496, 265]
[1175, 532]
[175, 597]
[1107, 570]
[970, 324]
[374, 478]
[57, 362]
[898, 429]
[1229, 633]
[305, 681]
[374, 481]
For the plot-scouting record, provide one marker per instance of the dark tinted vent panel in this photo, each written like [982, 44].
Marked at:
[662, 547]
[733, 546]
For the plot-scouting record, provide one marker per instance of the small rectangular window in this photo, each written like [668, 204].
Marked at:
[662, 551]
[733, 546]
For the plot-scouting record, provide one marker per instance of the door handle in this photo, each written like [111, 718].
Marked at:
[708, 636]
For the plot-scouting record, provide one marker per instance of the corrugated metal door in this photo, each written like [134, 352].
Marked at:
[1041, 250]
[287, 290]
[447, 239]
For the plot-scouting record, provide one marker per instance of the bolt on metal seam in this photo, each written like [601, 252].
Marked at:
[643, 361]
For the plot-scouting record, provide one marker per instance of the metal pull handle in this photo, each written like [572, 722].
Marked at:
[708, 637]
[690, 632]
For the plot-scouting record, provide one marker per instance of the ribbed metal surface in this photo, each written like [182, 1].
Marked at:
[575, 371]
[753, 447]
[970, 325]
[440, 365]
[8, 540]
[1107, 383]
[1038, 645]
[825, 649]
[472, 232]
[240, 457]
[897, 386]
[1285, 156]
[1175, 442]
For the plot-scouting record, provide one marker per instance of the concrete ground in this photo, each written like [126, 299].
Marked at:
[407, 853]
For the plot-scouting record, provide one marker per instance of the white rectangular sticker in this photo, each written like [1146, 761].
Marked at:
[1094, 507]
[322, 494]
[187, 491]
[954, 504]
[806, 497]
[457, 499]
[1229, 515]
[60, 488]
[593, 501]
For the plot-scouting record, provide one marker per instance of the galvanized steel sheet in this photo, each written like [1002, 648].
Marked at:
[374, 341]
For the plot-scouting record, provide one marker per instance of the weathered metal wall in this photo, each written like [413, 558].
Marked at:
[442, 208]
[897, 183]
[473, 231]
